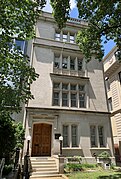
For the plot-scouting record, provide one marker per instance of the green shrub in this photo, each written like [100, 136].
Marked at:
[7, 169]
[70, 167]
[104, 155]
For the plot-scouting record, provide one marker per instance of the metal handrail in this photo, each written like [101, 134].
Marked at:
[2, 166]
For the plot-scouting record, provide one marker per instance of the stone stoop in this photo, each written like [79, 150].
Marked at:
[43, 167]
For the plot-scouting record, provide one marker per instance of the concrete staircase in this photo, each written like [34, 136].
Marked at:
[43, 167]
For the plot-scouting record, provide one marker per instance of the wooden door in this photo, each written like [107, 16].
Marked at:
[41, 143]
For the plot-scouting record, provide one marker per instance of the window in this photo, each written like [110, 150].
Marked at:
[73, 100]
[79, 64]
[72, 64]
[107, 83]
[65, 37]
[56, 99]
[57, 36]
[72, 38]
[57, 61]
[100, 133]
[72, 131]
[64, 62]
[70, 95]
[81, 100]
[20, 45]
[97, 136]
[74, 135]
[64, 99]
[93, 136]
[110, 104]
[119, 74]
[65, 136]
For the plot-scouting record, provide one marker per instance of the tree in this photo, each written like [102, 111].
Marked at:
[104, 19]
[17, 21]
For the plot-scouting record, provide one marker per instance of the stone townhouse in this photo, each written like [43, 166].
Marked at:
[69, 95]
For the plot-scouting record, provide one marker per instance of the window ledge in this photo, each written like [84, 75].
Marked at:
[99, 148]
[72, 148]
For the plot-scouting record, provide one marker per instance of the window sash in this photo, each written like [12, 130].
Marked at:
[93, 136]
[73, 100]
[65, 136]
[81, 100]
[74, 135]
[56, 99]
[101, 137]
[64, 99]
[79, 64]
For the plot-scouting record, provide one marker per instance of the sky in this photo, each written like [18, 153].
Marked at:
[74, 14]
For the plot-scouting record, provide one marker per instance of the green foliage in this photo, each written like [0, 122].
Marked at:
[11, 136]
[19, 134]
[104, 19]
[104, 155]
[7, 169]
[70, 167]
[16, 75]
[60, 11]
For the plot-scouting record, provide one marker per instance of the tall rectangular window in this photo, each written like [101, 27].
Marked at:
[119, 74]
[107, 83]
[110, 104]
[72, 64]
[79, 64]
[65, 37]
[64, 62]
[72, 38]
[101, 137]
[74, 135]
[93, 136]
[81, 100]
[56, 99]
[65, 136]
[57, 61]
[64, 99]
[73, 100]
[57, 36]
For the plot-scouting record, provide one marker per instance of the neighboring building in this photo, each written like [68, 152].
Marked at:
[112, 71]
[69, 95]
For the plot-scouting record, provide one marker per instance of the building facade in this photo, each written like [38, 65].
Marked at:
[69, 95]
[112, 72]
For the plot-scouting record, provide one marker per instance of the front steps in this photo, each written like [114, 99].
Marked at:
[43, 167]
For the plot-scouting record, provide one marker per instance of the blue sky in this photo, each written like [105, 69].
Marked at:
[74, 14]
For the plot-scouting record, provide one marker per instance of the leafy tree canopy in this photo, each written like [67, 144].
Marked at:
[17, 20]
[104, 19]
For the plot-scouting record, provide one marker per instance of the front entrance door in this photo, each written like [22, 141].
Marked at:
[41, 143]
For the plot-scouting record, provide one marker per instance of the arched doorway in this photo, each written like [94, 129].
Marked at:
[41, 141]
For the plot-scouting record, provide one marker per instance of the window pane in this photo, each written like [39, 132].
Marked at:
[119, 77]
[73, 87]
[81, 87]
[81, 100]
[73, 100]
[56, 98]
[65, 37]
[64, 99]
[110, 104]
[65, 136]
[56, 85]
[79, 64]
[64, 62]
[65, 86]
[20, 45]
[107, 83]
[57, 61]
[101, 138]
[74, 135]
[93, 136]
[72, 64]
[57, 36]
[72, 39]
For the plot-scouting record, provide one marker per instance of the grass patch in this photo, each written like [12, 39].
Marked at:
[96, 175]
